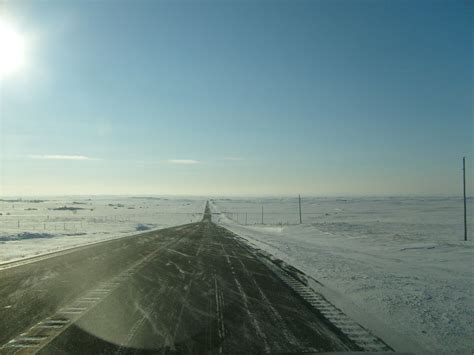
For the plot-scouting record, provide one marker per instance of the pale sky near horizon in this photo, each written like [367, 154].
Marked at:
[324, 97]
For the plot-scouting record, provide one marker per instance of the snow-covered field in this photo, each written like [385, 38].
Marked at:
[30, 227]
[397, 265]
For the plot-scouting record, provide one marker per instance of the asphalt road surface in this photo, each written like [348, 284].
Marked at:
[189, 289]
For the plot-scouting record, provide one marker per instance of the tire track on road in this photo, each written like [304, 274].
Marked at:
[245, 301]
[275, 316]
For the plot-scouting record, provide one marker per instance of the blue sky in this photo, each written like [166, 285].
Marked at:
[239, 98]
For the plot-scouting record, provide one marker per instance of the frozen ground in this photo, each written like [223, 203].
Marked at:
[30, 227]
[396, 265]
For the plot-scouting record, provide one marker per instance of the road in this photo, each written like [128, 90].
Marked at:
[189, 289]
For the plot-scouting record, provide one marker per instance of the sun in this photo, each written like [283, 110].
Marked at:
[12, 49]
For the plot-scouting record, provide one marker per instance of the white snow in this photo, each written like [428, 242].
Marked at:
[29, 228]
[397, 265]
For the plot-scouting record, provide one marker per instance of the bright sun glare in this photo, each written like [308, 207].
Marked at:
[12, 49]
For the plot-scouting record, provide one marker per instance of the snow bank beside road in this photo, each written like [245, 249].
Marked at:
[422, 287]
[34, 227]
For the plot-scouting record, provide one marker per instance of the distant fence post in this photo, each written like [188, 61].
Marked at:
[299, 200]
[464, 195]
[245, 218]
[262, 214]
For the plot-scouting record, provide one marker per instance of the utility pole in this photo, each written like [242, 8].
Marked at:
[299, 200]
[464, 194]
[262, 214]
[245, 218]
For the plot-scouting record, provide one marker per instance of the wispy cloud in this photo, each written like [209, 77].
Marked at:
[183, 161]
[60, 157]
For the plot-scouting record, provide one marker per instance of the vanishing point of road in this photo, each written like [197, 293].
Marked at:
[195, 288]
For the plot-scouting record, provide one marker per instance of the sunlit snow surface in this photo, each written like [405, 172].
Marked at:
[402, 261]
[31, 226]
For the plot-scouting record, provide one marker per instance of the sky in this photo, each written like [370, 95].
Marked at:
[355, 97]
